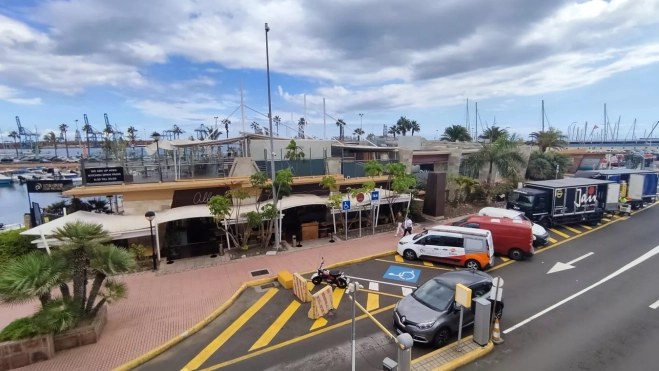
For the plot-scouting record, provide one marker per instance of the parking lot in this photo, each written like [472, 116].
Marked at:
[268, 328]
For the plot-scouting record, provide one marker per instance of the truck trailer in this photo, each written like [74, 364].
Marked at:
[565, 201]
[637, 186]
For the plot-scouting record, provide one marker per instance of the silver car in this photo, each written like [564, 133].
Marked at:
[429, 313]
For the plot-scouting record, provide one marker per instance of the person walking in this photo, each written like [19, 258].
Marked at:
[408, 226]
[399, 220]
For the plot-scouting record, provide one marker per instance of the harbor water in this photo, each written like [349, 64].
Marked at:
[14, 202]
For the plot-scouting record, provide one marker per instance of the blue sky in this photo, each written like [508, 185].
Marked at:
[161, 63]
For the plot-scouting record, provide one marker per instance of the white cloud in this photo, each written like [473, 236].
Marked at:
[13, 96]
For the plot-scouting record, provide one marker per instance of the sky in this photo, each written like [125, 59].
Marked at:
[158, 63]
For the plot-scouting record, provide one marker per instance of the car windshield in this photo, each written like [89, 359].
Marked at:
[522, 199]
[434, 295]
[419, 235]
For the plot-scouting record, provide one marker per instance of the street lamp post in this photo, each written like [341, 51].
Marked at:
[216, 117]
[150, 215]
[272, 144]
[156, 138]
[361, 121]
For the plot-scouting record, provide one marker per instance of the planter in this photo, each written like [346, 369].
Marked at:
[15, 354]
[83, 335]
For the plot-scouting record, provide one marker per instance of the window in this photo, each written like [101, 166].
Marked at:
[472, 225]
[521, 199]
[419, 235]
[480, 289]
[434, 295]
[475, 245]
[452, 241]
[434, 240]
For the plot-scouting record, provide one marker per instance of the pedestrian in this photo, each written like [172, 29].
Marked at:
[399, 220]
[408, 226]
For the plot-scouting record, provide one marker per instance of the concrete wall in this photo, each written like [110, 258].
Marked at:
[312, 148]
[333, 165]
[410, 142]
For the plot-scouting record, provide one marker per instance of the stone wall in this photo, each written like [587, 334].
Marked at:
[15, 354]
[82, 335]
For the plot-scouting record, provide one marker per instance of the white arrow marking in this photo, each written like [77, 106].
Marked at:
[655, 305]
[558, 267]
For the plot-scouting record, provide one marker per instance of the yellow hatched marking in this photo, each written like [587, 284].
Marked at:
[372, 302]
[504, 258]
[337, 294]
[310, 285]
[428, 264]
[572, 229]
[552, 240]
[398, 258]
[616, 216]
[276, 326]
[606, 219]
[559, 233]
[320, 322]
[587, 227]
[230, 331]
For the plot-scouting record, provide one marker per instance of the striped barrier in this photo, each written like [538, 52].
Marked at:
[321, 303]
[300, 288]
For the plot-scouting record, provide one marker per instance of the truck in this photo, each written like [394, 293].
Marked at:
[565, 201]
[637, 186]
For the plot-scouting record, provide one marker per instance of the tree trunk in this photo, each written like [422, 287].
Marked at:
[79, 276]
[93, 293]
[66, 145]
[44, 299]
[64, 289]
[98, 306]
[489, 174]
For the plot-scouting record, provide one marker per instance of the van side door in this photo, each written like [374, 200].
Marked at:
[453, 249]
[431, 246]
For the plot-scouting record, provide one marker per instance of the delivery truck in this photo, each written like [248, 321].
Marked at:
[565, 201]
[637, 186]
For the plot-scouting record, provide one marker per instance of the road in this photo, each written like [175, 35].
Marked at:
[591, 324]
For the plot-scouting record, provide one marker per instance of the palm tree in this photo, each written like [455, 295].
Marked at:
[414, 127]
[301, 123]
[255, 126]
[213, 134]
[393, 130]
[88, 130]
[132, 134]
[358, 132]
[404, 125]
[277, 121]
[341, 124]
[62, 129]
[51, 138]
[552, 138]
[104, 261]
[33, 275]
[504, 154]
[14, 135]
[494, 133]
[226, 123]
[456, 133]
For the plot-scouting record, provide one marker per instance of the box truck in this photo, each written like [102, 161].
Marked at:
[637, 186]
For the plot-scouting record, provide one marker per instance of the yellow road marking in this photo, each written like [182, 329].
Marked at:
[398, 258]
[428, 264]
[412, 265]
[587, 227]
[310, 285]
[382, 293]
[606, 219]
[276, 326]
[572, 229]
[293, 341]
[504, 258]
[337, 294]
[320, 322]
[559, 233]
[500, 266]
[616, 216]
[230, 331]
[372, 302]
[552, 240]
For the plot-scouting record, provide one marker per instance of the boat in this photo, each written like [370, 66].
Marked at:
[10, 227]
[5, 180]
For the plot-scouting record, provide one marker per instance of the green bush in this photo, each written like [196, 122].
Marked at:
[138, 251]
[22, 328]
[13, 245]
[542, 166]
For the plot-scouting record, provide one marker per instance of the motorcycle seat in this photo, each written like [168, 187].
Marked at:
[335, 273]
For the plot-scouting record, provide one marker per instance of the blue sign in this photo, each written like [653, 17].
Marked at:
[345, 205]
[375, 196]
[405, 274]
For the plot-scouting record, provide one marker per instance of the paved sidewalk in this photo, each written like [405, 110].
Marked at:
[452, 356]
[159, 308]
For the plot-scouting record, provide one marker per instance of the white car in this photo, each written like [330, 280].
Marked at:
[540, 234]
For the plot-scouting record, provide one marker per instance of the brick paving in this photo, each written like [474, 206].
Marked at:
[160, 307]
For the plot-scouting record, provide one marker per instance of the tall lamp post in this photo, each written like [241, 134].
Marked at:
[156, 138]
[272, 144]
[361, 120]
[216, 117]
[150, 215]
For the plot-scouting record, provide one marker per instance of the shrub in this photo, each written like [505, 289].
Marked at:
[542, 166]
[138, 251]
[22, 328]
[13, 245]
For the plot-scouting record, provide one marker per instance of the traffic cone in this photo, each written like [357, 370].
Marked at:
[496, 333]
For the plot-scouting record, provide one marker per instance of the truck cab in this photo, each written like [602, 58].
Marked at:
[532, 202]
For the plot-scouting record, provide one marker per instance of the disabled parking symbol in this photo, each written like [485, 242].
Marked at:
[404, 274]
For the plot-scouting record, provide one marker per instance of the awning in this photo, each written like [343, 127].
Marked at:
[117, 226]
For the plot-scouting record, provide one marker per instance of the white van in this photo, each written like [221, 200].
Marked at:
[540, 234]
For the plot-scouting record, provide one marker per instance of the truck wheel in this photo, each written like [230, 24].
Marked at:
[545, 223]
[515, 254]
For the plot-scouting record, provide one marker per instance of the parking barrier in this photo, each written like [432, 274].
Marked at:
[300, 288]
[321, 303]
[377, 323]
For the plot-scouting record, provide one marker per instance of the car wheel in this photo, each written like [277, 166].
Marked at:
[409, 254]
[472, 264]
[516, 254]
[442, 337]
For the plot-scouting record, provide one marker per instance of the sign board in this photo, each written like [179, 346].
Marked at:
[49, 186]
[198, 196]
[345, 205]
[104, 175]
[405, 274]
[496, 292]
[463, 295]
[360, 197]
[375, 196]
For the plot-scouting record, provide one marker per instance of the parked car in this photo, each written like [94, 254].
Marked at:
[512, 237]
[429, 313]
[467, 247]
[540, 234]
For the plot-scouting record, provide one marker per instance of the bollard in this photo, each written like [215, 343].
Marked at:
[294, 241]
[405, 344]
[331, 237]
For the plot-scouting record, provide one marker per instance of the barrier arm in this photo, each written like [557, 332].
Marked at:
[384, 329]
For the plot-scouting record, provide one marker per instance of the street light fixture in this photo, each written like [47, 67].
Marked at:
[361, 120]
[272, 144]
[150, 215]
[156, 138]
[216, 117]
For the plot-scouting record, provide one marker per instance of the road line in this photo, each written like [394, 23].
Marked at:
[572, 229]
[606, 219]
[398, 258]
[310, 285]
[500, 266]
[293, 341]
[655, 305]
[383, 293]
[627, 267]
[505, 259]
[384, 283]
[407, 291]
[559, 233]
[616, 216]
[374, 286]
[412, 265]
[585, 226]
[214, 345]
[372, 302]
[276, 326]
[580, 258]
[552, 240]
[320, 322]
[428, 264]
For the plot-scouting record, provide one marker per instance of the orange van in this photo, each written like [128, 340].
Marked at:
[512, 237]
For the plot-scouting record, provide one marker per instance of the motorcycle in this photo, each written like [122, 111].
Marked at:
[330, 276]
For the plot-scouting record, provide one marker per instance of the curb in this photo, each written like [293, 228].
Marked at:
[217, 312]
[466, 359]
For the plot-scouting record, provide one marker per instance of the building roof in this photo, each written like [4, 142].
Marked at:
[568, 182]
[364, 147]
[587, 173]
[118, 226]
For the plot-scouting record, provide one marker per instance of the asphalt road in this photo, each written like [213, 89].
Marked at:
[610, 327]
